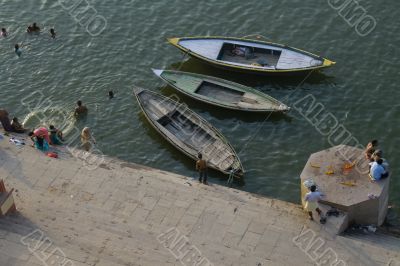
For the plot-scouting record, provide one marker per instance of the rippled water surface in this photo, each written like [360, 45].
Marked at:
[361, 90]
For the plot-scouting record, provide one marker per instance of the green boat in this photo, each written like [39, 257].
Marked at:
[220, 92]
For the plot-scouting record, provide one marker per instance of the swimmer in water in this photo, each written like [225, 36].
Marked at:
[110, 94]
[33, 28]
[80, 109]
[52, 33]
[17, 50]
[4, 32]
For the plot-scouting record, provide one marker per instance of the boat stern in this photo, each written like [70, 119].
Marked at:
[239, 173]
[283, 108]
[328, 63]
[237, 168]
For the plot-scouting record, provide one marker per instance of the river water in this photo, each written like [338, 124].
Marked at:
[84, 62]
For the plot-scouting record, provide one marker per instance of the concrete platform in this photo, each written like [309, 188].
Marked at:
[121, 213]
[341, 172]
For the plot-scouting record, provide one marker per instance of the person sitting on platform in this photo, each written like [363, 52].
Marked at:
[370, 149]
[378, 155]
[312, 199]
[377, 171]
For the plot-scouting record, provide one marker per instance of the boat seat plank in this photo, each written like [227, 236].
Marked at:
[218, 92]
[290, 59]
[189, 83]
[207, 48]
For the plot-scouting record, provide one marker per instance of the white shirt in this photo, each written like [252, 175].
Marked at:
[313, 196]
[376, 170]
[384, 164]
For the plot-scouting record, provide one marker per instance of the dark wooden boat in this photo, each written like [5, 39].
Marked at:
[189, 132]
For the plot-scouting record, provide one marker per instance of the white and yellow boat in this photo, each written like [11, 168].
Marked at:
[247, 55]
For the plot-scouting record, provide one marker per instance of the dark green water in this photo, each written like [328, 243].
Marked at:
[360, 91]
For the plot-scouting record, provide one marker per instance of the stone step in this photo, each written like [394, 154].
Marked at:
[16, 226]
[334, 225]
[377, 238]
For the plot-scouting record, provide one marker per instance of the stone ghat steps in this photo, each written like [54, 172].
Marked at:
[80, 252]
[13, 224]
[110, 241]
[122, 235]
[334, 225]
[376, 239]
[112, 215]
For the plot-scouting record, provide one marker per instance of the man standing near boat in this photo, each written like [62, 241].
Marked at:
[201, 167]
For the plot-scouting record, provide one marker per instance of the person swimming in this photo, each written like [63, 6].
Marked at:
[80, 109]
[52, 33]
[18, 50]
[3, 32]
[33, 28]
[110, 94]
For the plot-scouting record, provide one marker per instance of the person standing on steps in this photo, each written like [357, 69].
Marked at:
[312, 199]
[201, 167]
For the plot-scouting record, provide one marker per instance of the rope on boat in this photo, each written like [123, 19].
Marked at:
[231, 176]
[183, 61]
[258, 36]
